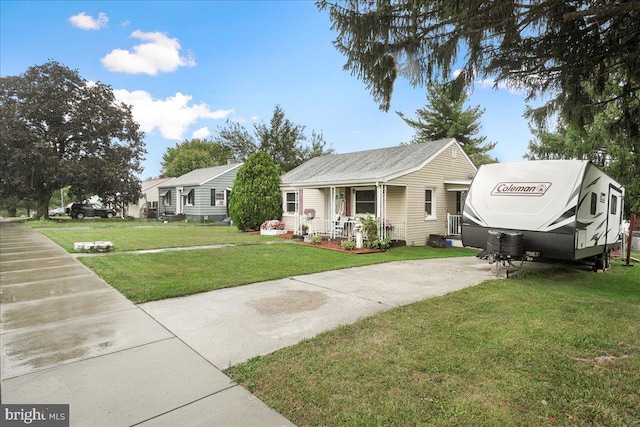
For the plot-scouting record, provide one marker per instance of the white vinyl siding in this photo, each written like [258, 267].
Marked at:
[444, 166]
[430, 204]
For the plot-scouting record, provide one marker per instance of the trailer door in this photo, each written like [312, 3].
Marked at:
[614, 219]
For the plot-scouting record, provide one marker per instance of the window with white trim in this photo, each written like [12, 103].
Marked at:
[218, 197]
[429, 203]
[365, 202]
[189, 199]
[166, 199]
[290, 202]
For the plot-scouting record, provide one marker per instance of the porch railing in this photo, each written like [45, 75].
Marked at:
[342, 229]
[454, 225]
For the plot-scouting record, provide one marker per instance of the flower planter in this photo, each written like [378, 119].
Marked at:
[272, 232]
[93, 246]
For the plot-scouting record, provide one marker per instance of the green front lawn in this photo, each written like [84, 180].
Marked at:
[148, 277]
[559, 347]
[129, 238]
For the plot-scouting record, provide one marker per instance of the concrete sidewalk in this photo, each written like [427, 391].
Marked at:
[68, 337]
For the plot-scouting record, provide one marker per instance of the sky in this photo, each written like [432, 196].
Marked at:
[187, 67]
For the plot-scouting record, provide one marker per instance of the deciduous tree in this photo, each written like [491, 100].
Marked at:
[193, 154]
[59, 130]
[282, 139]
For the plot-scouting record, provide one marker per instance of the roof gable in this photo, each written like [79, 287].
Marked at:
[150, 183]
[380, 165]
[200, 176]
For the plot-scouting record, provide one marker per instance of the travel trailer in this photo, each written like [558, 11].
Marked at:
[559, 209]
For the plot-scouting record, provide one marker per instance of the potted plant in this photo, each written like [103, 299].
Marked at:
[272, 227]
[304, 229]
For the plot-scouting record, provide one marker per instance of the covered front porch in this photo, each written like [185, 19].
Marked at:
[336, 212]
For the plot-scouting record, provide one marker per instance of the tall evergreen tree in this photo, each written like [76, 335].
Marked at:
[547, 48]
[602, 140]
[444, 116]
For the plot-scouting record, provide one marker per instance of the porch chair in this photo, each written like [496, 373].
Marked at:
[341, 224]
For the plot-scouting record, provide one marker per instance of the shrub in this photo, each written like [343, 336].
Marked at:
[348, 245]
[370, 229]
[256, 193]
[379, 244]
[316, 240]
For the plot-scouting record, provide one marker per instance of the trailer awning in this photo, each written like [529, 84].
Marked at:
[457, 184]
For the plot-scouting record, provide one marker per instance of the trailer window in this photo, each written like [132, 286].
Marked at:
[614, 205]
[594, 203]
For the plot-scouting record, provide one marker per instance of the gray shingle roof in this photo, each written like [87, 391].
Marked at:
[364, 166]
[199, 176]
[150, 183]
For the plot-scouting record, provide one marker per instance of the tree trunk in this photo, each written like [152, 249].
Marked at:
[44, 197]
[12, 212]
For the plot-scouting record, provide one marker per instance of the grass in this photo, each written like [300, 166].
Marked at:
[148, 277]
[156, 236]
[525, 351]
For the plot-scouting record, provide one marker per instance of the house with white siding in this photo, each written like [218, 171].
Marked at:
[200, 195]
[147, 205]
[415, 190]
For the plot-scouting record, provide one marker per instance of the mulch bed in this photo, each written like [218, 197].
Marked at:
[332, 245]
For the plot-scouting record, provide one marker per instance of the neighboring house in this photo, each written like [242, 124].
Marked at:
[147, 205]
[416, 190]
[200, 195]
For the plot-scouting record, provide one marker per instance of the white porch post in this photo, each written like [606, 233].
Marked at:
[179, 200]
[381, 211]
[332, 207]
[298, 222]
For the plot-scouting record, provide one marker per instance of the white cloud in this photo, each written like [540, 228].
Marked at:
[490, 83]
[171, 116]
[201, 133]
[86, 22]
[159, 54]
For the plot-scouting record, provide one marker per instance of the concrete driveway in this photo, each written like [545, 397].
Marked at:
[230, 326]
